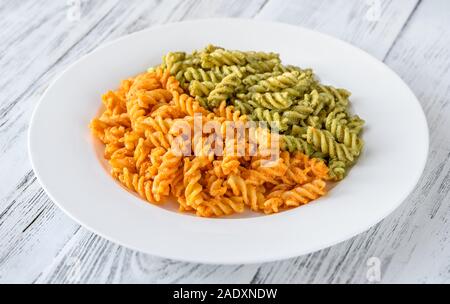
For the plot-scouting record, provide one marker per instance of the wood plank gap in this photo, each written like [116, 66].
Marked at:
[261, 8]
[33, 221]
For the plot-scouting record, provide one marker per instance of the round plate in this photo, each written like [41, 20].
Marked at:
[68, 163]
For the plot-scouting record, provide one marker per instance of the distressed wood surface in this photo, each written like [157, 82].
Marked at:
[38, 243]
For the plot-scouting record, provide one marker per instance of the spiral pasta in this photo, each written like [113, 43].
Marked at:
[221, 57]
[229, 113]
[224, 90]
[338, 169]
[324, 142]
[166, 174]
[221, 206]
[303, 194]
[202, 75]
[187, 105]
[274, 118]
[285, 95]
[292, 144]
[163, 131]
[193, 188]
[275, 83]
[272, 101]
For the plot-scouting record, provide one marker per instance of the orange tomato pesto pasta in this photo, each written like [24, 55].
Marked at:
[141, 126]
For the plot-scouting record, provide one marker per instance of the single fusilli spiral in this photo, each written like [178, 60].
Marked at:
[274, 118]
[275, 83]
[166, 174]
[340, 95]
[272, 101]
[304, 194]
[203, 75]
[226, 70]
[221, 206]
[355, 124]
[216, 186]
[187, 104]
[293, 144]
[343, 134]
[324, 142]
[261, 66]
[151, 124]
[222, 57]
[192, 176]
[338, 169]
[197, 88]
[224, 90]
[254, 79]
[297, 113]
[137, 183]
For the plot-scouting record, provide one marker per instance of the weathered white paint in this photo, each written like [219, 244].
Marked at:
[40, 244]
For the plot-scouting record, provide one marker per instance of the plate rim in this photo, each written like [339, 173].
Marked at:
[229, 260]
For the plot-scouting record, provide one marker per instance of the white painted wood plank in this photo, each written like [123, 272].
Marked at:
[88, 258]
[38, 50]
[370, 25]
[421, 57]
[30, 225]
[31, 234]
[91, 259]
[412, 244]
[307, 268]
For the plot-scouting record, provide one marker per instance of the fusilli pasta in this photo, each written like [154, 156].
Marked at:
[152, 117]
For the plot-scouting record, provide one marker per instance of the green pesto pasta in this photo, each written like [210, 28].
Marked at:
[338, 169]
[297, 114]
[324, 142]
[272, 117]
[224, 90]
[312, 117]
[254, 79]
[293, 143]
[272, 101]
[199, 74]
[203, 89]
[276, 83]
[243, 107]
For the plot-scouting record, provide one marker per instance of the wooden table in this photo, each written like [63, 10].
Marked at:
[39, 39]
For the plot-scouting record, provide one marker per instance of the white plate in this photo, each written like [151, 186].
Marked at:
[67, 160]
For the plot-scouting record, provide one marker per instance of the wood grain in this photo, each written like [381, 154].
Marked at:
[40, 244]
[371, 27]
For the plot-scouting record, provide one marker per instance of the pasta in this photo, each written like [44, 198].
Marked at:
[167, 133]
[167, 173]
[192, 176]
[303, 194]
[224, 90]
[273, 117]
[325, 143]
[292, 95]
[275, 83]
[202, 75]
